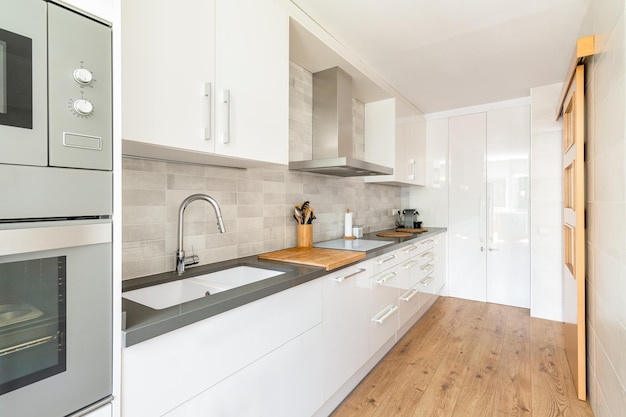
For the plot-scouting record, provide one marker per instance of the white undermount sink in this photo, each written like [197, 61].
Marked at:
[177, 292]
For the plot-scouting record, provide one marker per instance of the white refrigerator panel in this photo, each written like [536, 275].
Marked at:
[508, 201]
[467, 207]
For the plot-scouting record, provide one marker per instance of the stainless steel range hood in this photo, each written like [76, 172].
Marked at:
[333, 142]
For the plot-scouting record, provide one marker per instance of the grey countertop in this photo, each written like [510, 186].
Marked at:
[141, 323]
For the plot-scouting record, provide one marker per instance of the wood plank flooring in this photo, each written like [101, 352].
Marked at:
[471, 359]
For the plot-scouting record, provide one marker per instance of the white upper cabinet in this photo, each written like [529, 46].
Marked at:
[395, 136]
[99, 8]
[206, 81]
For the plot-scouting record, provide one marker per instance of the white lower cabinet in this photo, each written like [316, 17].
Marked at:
[284, 383]
[296, 353]
[345, 324]
[162, 373]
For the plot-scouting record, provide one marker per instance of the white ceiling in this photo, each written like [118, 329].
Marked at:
[448, 54]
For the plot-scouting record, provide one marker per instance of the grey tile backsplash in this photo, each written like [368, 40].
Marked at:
[257, 204]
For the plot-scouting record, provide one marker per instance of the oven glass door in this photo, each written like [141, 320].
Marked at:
[16, 74]
[32, 321]
[23, 83]
[55, 316]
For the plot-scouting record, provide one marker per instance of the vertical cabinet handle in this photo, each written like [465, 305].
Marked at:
[482, 224]
[342, 279]
[226, 120]
[388, 313]
[207, 93]
[412, 169]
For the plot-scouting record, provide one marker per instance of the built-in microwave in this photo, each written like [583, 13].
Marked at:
[55, 87]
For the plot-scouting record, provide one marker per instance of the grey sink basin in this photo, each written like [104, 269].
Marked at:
[178, 292]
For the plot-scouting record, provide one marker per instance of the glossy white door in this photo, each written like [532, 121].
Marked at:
[467, 206]
[489, 219]
[508, 192]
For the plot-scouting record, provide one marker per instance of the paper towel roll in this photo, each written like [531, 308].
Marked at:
[348, 224]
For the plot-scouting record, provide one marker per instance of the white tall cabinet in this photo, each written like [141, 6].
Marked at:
[489, 201]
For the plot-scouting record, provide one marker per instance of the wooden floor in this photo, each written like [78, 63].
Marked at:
[471, 359]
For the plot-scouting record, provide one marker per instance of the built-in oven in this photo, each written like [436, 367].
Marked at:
[56, 210]
[55, 316]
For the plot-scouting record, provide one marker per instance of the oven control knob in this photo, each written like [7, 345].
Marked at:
[83, 76]
[83, 107]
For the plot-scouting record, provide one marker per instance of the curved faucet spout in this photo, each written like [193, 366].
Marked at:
[181, 260]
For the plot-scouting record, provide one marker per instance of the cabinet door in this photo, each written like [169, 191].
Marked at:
[167, 58]
[346, 325]
[489, 191]
[508, 197]
[467, 135]
[99, 8]
[252, 72]
[285, 383]
[415, 151]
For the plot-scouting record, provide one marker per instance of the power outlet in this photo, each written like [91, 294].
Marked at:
[395, 212]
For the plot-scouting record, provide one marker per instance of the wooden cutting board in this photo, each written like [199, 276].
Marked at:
[393, 234]
[327, 258]
[409, 230]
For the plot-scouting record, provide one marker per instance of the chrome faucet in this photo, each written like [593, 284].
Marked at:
[181, 259]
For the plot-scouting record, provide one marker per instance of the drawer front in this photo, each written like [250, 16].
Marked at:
[383, 326]
[409, 302]
[388, 260]
[427, 289]
[203, 353]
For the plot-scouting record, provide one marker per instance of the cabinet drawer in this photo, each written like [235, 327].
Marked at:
[409, 302]
[383, 326]
[285, 383]
[426, 256]
[388, 260]
[418, 247]
[384, 306]
[384, 288]
[421, 272]
[426, 288]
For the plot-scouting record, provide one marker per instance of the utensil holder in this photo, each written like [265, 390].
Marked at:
[305, 235]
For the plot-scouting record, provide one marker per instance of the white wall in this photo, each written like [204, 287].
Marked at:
[546, 250]
[606, 210]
